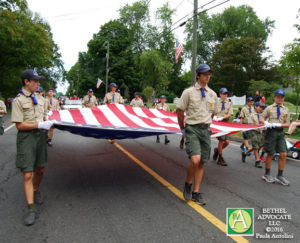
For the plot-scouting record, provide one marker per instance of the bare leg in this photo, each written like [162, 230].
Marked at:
[220, 146]
[282, 161]
[28, 186]
[51, 132]
[38, 176]
[268, 161]
[195, 169]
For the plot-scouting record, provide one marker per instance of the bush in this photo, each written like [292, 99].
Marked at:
[292, 98]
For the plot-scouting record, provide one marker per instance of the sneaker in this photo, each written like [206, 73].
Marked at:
[38, 198]
[244, 157]
[157, 139]
[187, 193]
[249, 154]
[282, 180]
[30, 217]
[49, 142]
[216, 153]
[167, 140]
[257, 164]
[221, 161]
[262, 159]
[268, 178]
[197, 198]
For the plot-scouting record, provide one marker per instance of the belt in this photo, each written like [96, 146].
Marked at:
[276, 128]
[201, 125]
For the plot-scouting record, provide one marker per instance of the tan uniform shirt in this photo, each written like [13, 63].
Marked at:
[55, 104]
[23, 109]
[270, 114]
[228, 108]
[91, 103]
[137, 103]
[164, 107]
[245, 112]
[2, 108]
[254, 120]
[44, 101]
[198, 109]
[113, 98]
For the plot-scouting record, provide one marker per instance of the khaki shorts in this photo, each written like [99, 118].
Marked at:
[31, 150]
[198, 141]
[256, 139]
[275, 141]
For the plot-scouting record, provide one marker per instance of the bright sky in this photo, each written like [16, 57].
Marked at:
[74, 22]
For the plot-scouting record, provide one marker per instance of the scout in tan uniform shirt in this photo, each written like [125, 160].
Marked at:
[162, 106]
[53, 105]
[136, 101]
[2, 113]
[28, 114]
[245, 112]
[276, 117]
[89, 100]
[255, 135]
[40, 92]
[113, 97]
[199, 103]
[223, 113]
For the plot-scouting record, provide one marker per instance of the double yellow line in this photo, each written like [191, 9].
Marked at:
[210, 217]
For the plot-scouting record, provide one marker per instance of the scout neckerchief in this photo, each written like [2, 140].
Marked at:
[203, 92]
[258, 116]
[113, 98]
[90, 99]
[50, 101]
[223, 106]
[34, 101]
[278, 111]
[250, 110]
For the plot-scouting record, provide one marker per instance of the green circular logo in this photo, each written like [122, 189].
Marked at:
[240, 221]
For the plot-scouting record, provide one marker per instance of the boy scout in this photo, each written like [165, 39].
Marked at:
[2, 113]
[28, 114]
[223, 113]
[199, 103]
[40, 92]
[256, 136]
[113, 97]
[53, 105]
[136, 101]
[89, 100]
[245, 112]
[276, 117]
[162, 106]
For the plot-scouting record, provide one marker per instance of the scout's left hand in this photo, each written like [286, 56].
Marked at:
[276, 125]
[220, 118]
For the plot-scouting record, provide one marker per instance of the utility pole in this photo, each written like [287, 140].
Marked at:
[194, 53]
[107, 70]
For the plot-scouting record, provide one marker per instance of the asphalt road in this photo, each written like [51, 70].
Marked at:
[96, 193]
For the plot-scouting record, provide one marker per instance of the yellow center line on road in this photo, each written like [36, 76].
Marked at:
[210, 217]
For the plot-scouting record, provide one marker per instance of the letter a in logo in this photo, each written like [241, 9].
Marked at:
[240, 221]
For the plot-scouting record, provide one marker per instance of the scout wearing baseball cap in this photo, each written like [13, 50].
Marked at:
[276, 117]
[137, 101]
[223, 112]
[245, 113]
[2, 113]
[162, 106]
[28, 113]
[198, 103]
[256, 136]
[89, 100]
[113, 97]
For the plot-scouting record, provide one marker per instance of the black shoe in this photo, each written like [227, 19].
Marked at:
[38, 198]
[242, 147]
[49, 142]
[187, 192]
[197, 198]
[216, 153]
[30, 217]
[257, 164]
[167, 140]
[157, 139]
[244, 157]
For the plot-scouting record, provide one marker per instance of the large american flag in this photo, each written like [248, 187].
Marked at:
[115, 121]
[179, 49]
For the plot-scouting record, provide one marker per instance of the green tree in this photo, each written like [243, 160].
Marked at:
[290, 67]
[264, 87]
[233, 22]
[148, 92]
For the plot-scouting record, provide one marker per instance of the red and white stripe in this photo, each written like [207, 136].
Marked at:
[122, 116]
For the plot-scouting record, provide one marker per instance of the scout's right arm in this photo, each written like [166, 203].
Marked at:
[180, 117]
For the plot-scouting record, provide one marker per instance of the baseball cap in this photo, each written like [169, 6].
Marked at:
[51, 89]
[223, 91]
[203, 68]
[113, 85]
[279, 92]
[90, 90]
[163, 97]
[40, 89]
[31, 74]
[258, 104]
[136, 93]
[249, 99]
